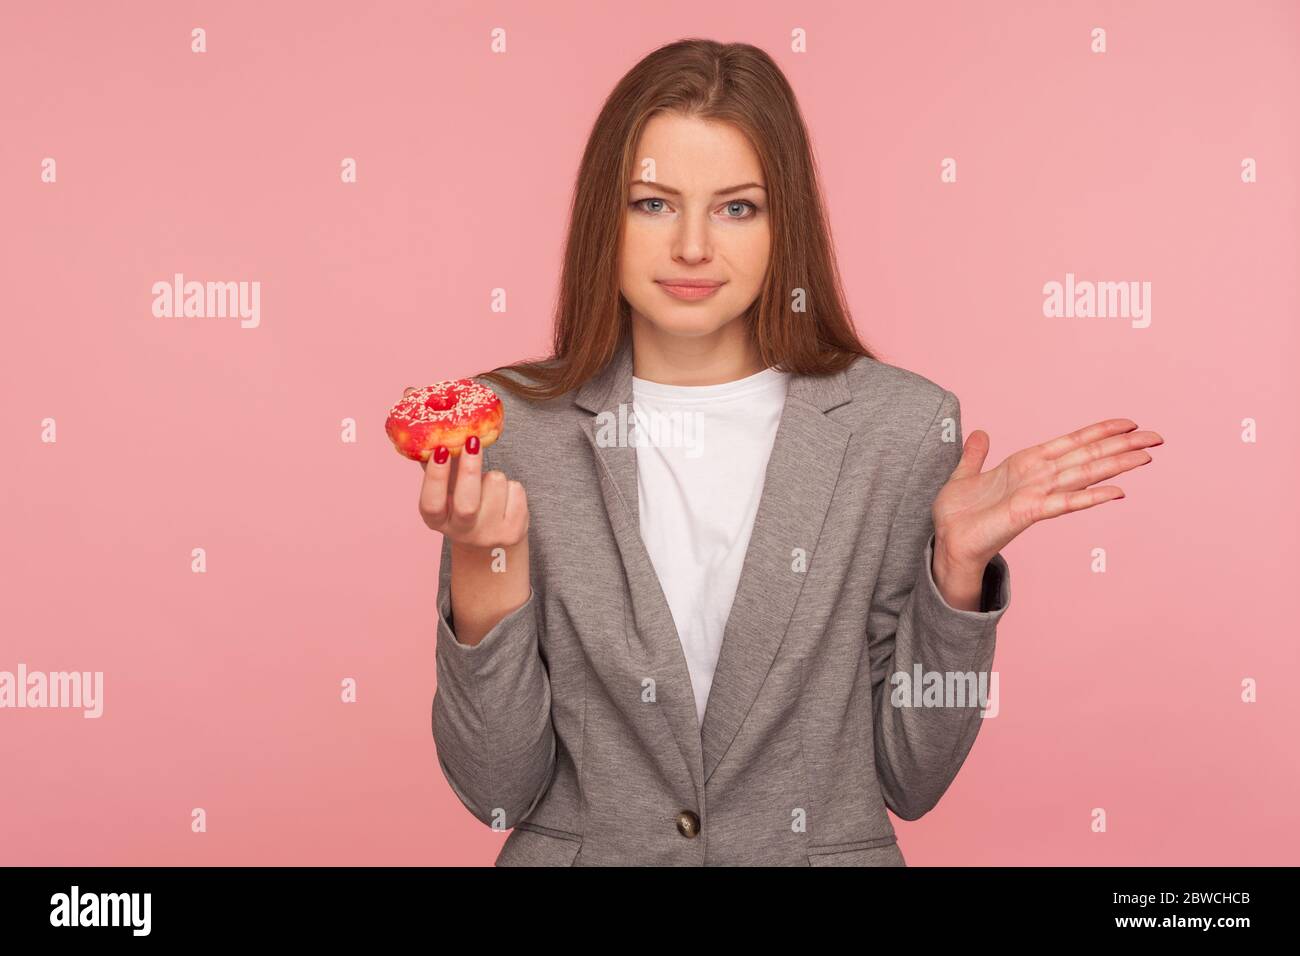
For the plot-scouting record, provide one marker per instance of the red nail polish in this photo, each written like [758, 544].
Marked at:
[471, 444]
[440, 455]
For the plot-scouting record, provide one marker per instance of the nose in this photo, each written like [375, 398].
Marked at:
[692, 242]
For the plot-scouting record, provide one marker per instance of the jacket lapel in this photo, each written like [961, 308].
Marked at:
[800, 479]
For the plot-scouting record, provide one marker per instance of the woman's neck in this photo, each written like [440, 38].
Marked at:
[725, 355]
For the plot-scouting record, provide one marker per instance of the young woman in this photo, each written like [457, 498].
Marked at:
[681, 615]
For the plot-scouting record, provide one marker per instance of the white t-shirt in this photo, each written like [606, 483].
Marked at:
[702, 455]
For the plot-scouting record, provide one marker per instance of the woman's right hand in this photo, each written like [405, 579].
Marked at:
[472, 509]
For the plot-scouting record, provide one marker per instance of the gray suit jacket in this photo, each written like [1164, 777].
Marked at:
[573, 721]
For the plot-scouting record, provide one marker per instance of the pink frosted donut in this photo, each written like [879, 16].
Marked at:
[445, 414]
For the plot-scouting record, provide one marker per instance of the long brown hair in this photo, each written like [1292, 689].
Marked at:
[734, 83]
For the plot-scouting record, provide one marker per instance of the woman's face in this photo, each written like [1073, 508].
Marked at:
[689, 223]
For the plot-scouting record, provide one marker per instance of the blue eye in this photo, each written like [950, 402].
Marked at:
[637, 203]
[744, 202]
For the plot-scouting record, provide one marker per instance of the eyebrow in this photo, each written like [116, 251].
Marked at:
[678, 192]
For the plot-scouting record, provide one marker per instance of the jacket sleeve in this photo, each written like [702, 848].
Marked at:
[492, 712]
[919, 749]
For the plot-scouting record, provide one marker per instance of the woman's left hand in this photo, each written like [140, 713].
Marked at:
[977, 513]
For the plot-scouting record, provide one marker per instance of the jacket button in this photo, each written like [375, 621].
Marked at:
[688, 824]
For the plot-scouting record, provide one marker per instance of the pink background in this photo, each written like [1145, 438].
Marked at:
[222, 690]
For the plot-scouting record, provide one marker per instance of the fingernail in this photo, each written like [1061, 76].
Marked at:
[440, 455]
[471, 444]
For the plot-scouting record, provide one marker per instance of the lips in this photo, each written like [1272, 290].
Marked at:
[689, 288]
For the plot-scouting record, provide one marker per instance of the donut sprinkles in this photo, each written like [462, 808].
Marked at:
[446, 413]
